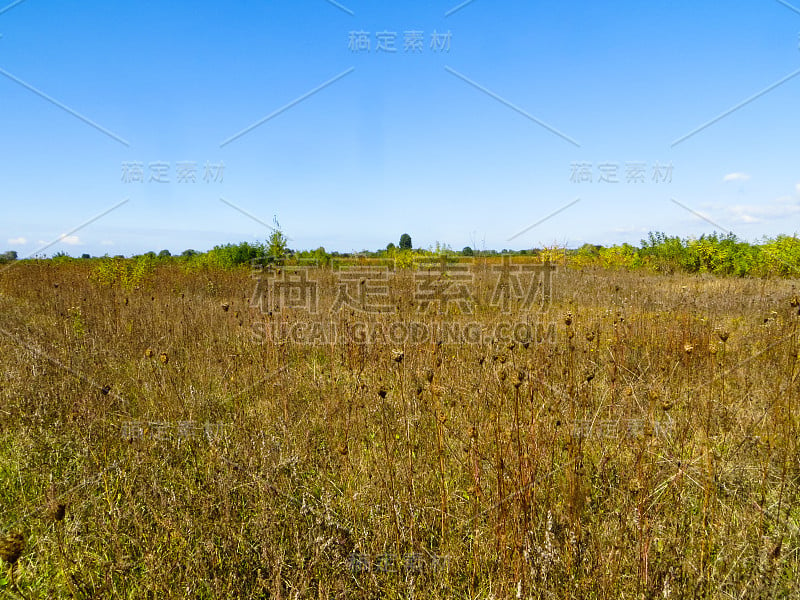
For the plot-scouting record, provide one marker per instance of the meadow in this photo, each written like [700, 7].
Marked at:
[163, 436]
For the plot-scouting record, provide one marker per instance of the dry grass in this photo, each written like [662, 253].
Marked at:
[650, 451]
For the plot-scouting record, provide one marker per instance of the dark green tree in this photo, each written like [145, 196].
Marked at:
[467, 251]
[405, 242]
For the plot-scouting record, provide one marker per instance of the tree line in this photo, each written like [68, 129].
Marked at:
[710, 253]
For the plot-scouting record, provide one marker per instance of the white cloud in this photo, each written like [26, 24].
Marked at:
[18, 241]
[748, 219]
[736, 177]
[636, 230]
[797, 188]
[779, 209]
[106, 243]
[70, 240]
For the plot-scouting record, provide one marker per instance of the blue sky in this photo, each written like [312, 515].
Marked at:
[468, 143]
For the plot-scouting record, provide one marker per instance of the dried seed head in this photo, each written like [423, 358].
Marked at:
[225, 306]
[382, 391]
[724, 335]
[163, 358]
[590, 336]
[11, 547]
[105, 390]
[666, 405]
[794, 302]
[442, 418]
[688, 348]
[149, 353]
[568, 319]
[57, 510]
[519, 378]
[397, 356]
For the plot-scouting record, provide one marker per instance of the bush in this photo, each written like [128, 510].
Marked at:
[233, 255]
[124, 273]
[781, 256]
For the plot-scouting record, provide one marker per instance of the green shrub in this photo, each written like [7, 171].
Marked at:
[126, 273]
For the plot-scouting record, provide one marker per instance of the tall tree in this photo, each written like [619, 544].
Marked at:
[277, 242]
[405, 242]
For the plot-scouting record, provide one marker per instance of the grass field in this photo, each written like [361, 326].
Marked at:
[156, 442]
